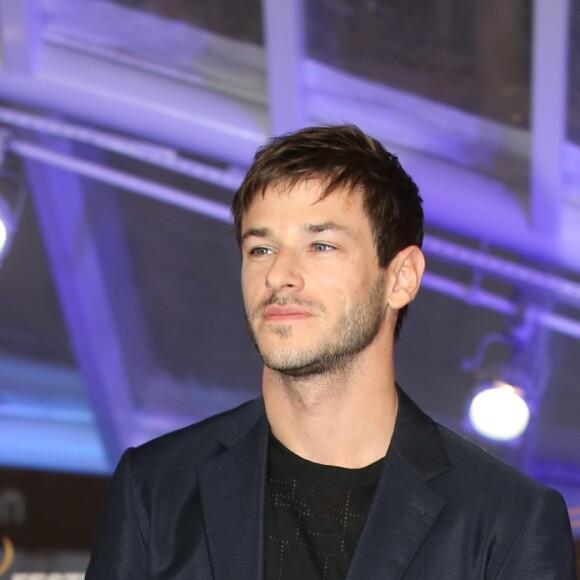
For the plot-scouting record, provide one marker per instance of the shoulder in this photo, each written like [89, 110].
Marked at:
[492, 492]
[525, 522]
[184, 450]
[453, 464]
[478, 488]
[476, 468]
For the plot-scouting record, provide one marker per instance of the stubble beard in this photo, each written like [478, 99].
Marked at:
[333, 355]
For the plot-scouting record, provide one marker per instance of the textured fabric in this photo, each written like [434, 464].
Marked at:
[191, 506]
[314, 515]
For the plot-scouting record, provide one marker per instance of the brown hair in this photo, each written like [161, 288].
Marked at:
[342, 157]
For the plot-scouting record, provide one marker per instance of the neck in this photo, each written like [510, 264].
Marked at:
[346, 419]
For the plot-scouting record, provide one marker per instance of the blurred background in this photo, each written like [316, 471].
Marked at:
[125, 128]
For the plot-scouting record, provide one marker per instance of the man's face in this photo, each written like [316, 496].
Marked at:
[313, 290]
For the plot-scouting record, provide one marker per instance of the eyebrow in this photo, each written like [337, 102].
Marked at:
[324, 227]
[308, 228]
[257, 233]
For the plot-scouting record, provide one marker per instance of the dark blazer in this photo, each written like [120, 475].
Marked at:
[190, 505]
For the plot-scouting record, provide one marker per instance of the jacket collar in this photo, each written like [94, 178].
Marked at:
[416, 440]
[233, 492]
[404, 509]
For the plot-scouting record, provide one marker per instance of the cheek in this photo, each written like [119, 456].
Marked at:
[362, 289]
[252, 286]
[246, 287]
[360, 285]
[246, 276]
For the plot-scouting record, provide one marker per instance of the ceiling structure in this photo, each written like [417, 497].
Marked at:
[129, 125]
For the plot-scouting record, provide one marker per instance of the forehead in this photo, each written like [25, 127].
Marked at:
[305, 197]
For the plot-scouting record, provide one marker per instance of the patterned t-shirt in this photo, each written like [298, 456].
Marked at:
[314, 515]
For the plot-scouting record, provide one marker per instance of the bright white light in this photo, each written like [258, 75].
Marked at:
[3, 234]
[499, 412]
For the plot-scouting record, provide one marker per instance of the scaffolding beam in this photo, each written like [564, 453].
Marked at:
[285, 50]
[84, 238]
[21, 35]
[548, 113]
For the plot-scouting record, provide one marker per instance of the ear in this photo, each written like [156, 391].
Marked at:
[404, 276]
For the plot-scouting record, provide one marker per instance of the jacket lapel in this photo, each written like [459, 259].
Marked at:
[404, 508]
[233, 491]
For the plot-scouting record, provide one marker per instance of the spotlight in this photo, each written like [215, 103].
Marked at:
[510, 372]
[3, 235]
[12, 200]
[499, 411]
[5, 226]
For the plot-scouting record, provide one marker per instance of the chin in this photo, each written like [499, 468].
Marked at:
[288, 360]
[279, 357]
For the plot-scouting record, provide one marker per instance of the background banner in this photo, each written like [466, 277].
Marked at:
[47, 522]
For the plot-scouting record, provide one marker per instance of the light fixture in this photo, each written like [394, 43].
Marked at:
[499, 411]
[508, 380]
[4, 229]
[12, 200]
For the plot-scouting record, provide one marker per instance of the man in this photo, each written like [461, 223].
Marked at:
[334, 472]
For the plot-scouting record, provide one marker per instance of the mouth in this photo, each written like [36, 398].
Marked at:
[286, 313]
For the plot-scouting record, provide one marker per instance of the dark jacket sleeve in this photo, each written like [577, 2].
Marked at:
[119, 551]
[543, 548]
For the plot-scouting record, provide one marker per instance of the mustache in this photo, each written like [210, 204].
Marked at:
[284, 300]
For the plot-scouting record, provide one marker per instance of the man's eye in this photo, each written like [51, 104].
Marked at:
[322, 247]
[260, 251]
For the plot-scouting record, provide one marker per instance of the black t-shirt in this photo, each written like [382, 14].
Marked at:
[314, 515]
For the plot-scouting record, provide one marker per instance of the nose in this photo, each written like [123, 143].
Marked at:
[284, 273]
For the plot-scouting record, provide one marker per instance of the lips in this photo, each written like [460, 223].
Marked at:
[277, 313]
